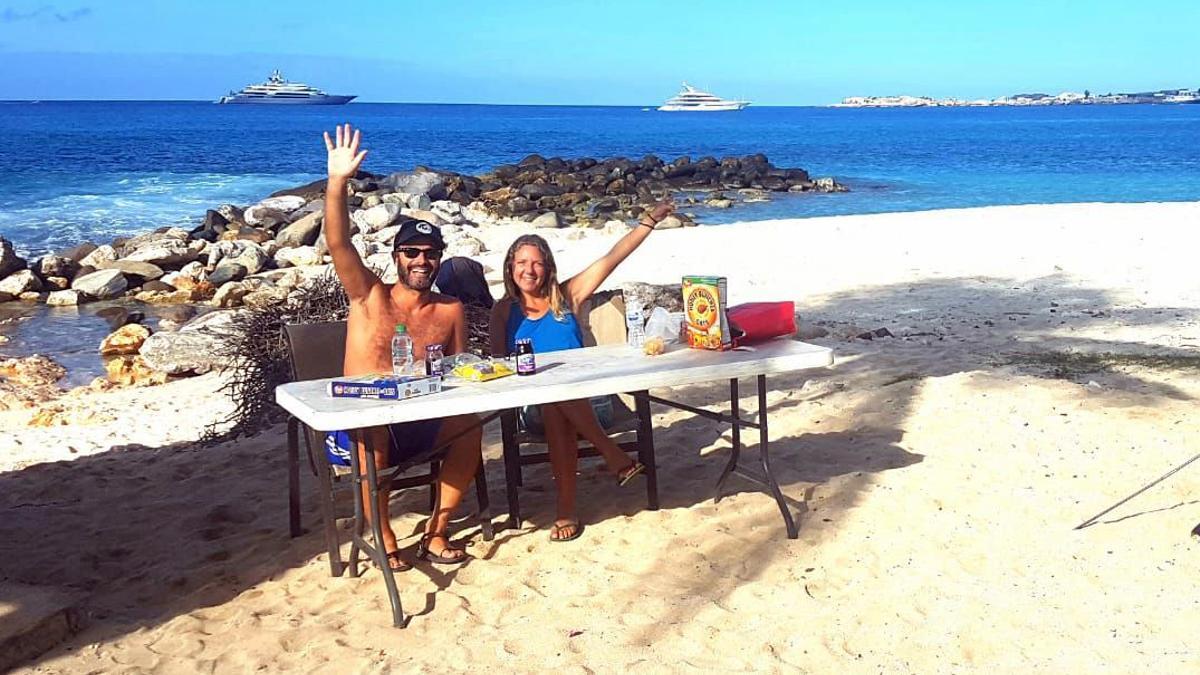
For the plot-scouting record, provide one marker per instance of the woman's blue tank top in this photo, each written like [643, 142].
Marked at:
[547, 333]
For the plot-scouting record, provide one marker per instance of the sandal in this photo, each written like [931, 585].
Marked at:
[396, 563]
[557, 530]
[626, 475]
[423, 552]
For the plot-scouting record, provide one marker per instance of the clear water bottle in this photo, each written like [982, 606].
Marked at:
[402, 352]
[635, 326]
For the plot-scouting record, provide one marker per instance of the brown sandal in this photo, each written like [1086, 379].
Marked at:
[423, 552]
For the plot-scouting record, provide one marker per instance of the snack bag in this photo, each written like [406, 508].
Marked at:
[704, 300]
[482, 371]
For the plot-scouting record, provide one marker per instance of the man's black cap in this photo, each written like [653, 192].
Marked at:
[414, 231]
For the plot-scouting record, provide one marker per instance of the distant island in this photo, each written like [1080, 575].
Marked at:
[1065, 98]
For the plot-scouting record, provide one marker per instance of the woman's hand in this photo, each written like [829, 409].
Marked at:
[344, 156]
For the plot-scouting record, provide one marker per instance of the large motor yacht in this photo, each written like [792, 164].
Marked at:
[277, 90]
[692, 99]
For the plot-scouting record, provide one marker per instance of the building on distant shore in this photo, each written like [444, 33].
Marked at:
[1031, 99]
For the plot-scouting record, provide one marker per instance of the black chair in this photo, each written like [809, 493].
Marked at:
[602, 321]
[316, 351]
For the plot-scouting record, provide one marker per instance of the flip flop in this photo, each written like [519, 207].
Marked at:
[559, 528]
[423, 552]
[636, 469]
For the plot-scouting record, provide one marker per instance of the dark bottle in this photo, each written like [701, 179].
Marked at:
[433, 360]
[526, 365]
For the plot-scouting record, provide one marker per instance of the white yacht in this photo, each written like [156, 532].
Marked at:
[277, 90]
[692, 99]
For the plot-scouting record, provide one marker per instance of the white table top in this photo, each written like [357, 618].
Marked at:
[561, 376]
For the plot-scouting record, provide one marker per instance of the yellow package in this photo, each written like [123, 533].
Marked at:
[482, 371]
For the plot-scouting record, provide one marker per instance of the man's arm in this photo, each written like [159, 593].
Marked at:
[581, 286]
[344, 159]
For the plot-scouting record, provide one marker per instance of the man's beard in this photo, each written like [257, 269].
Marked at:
[421, 283]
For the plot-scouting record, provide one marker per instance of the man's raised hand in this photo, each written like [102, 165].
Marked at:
[344, 155]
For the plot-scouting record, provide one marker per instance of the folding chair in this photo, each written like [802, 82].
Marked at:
[602, 321]
[317, 351]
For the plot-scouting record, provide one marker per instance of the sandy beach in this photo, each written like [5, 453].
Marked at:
[1045, 363]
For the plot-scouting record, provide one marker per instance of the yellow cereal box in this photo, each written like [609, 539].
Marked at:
[704, 302]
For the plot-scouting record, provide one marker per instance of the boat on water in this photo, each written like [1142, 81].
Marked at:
[278, 91]
[691, 99]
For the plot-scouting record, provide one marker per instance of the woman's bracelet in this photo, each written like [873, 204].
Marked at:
[652, 224]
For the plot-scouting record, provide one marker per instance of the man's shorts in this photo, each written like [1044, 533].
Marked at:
[407, 441]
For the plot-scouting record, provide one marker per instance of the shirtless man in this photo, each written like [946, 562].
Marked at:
[431, 318]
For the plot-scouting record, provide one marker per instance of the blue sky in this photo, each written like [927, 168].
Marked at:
[621, 52]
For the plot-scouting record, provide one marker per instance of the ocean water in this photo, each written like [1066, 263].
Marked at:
[71, 171]
[75, 171]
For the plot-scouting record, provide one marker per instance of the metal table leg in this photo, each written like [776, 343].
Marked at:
[376, 551]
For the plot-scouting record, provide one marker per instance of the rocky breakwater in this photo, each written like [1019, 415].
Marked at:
[262, 255]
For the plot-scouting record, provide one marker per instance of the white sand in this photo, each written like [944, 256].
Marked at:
[942, 482]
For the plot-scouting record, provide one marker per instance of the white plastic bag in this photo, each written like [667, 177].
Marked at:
[664, 324]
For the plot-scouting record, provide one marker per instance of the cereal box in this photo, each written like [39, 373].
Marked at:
[384, 387]
[704, 301]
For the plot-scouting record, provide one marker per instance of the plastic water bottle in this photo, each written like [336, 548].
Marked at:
[635, 327]
[402, 352]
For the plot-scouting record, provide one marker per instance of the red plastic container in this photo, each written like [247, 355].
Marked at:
[758, 321]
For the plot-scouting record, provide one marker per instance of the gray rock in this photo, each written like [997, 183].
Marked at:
[230, 212]
[427, 183]
[549, 219]
[376, 217]
[55, 283]
[421, 214]
[225, 272]
[67, 298]
[230, 294]
[194, 348]
[170, 253]
[102, 284]
[23, 281]
[464, 246]
[158, 286]
[9, 260]
[141, 271]
[253, 257]
[297, 257]
[265, 297]
[302, 232]
[101, 254]
[667, 296]
[264, 217]
[56, 266]
[77, 253]
[670, 223]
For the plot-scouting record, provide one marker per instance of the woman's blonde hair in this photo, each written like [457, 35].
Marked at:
[550, 286]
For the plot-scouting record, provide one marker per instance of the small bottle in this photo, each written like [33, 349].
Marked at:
[526, 363]
[635, 327]
[433, 360]
[402, 352]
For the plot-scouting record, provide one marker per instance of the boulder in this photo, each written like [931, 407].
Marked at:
[225, 272]
[297, 257]
[230, 212]
[55, 266]
[302, 232]
[286, 203]
[265, 297]
[671, 222]
[377, 217]
[549, 219]
[421, 214]
[9, 260]
[194, 348]
[102, 284]
[464, 246]
[132, 370]
[127, 339]
[428, 183]
[230, 295]
[77, 253]
[33, 296]
[265, 217]
[158, 286]
[171, 297]
[253, 234]
[20, 282]
[67, 298]
[169, 253]
[101, 254]
[119, 316]
[55, 283]
[139, 271]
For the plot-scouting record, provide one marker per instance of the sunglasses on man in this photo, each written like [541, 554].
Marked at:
[411, 252]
